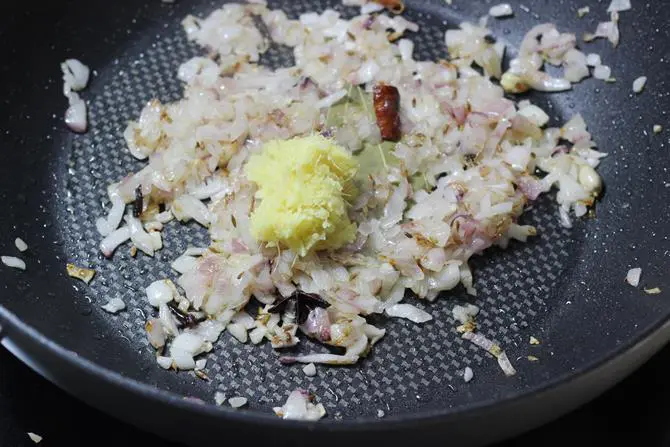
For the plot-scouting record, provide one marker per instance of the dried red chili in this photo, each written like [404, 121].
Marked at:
[386, 101]
[395, 6]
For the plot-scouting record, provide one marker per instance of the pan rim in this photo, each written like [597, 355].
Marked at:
[648, 343]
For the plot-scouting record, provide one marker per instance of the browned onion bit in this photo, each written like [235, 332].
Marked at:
[201, 375]
[395, 6]
[386, 101]
[138, 203]
[185, 319]
[303, 302]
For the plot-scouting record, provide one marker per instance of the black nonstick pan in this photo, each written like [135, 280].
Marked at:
[565, 287]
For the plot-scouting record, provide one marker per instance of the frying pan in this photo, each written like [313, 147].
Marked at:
[564, 287]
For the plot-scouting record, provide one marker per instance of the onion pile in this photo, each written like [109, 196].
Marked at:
[449, 179]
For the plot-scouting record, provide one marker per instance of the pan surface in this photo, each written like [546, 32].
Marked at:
[564, 287]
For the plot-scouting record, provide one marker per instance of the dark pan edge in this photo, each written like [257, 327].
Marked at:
[167, 414]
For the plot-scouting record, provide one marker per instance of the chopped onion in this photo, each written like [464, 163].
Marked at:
[309, 370]
[371, 7]
[113, 240]
[210, 329]
[189, 343]
[351, 355]
[619, 5]
[188, 207]
[564, 217]
[160, 292]
[238, 331]
[237, 402]
[581, 12]
[609, 30]
[593, 60]
[245, 320]
[164, 217]
[653, 291]
[576, 65]
[589, 179]
[530, 186]
[138, 236]
[434, 259]
[20, 244]
[200, 364]
[493, 349]
[257, 335]
[365, 73]
[195, 251]
[468, 374]
[299, 407]
[536, 79]
[14, 262]
[501, 10]
[34, 437]
[633, 276]
[164, 362]
[168, 321]
[409, 312]
[219, 398]
[463, 314]
[75, 75]
[115, 216]
[185, 346]
[182, 360]
[156, 239]
[657, 128]
[639, 83]
[535, 114]
[406, 47]
[184, 264]
[114, 305]
[331, 99]
[75, 116]
[317, 324]
[602, 72]
[505, 364]
[155, 333]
